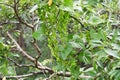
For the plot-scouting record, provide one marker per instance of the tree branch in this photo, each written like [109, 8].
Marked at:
[67, 74]
[20, 65]
[22, 51]
[77, 21]
[23, 76]
[32, 27]
[8, 22]
[25, 54]
[19, 18]
[49, 71]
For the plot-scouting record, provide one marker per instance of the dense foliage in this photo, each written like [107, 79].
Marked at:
[60, 39]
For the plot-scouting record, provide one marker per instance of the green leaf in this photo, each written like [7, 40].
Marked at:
[114, 74]
[100, 64]
[46, 61]
[67, 5]
[75, 70]
[35, 7]
[2, 60]
[92, 2]
[100, 55]
[95, 43]
[2, 46]
[94, 20]
[75, 45]
[39, 34]
[1, 39]
[17, 33]
[13, 55]
[95, 35]
[3, 67]
[115, 46]
[90, 71]
[66, 51]
[112, 53]
[11, 71]
[77, 6]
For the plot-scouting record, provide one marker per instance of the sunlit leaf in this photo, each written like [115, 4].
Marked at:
[94, 20]
[75, 45]
[77, 6]
[115, 46]
[67, 5]
[112, 53]
[50, 2]
[34, 8]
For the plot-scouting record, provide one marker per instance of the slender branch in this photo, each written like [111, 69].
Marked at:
[24, 53]
[32, 27]
[67, 74]
[8, 22]
[20, 65]
[29, 25]
[50, 77]
[77, 20]
[19, 18]
[23, 76]
[38, 51]
[36, 47]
